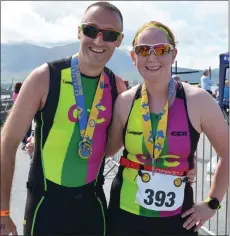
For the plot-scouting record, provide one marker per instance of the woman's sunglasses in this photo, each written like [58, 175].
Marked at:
[92, 32]
[159, 49]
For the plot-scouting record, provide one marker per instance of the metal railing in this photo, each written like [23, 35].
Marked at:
[206, 163]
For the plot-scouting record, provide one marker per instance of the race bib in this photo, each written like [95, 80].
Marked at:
[160, 192]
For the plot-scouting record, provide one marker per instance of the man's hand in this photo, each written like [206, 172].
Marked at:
[192, 173]
[30, 145]
[7, 226]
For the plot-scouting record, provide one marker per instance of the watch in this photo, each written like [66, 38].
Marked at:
[213, 203]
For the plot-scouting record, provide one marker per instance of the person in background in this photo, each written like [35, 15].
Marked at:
[176, 77]
[216, 93]
[226, 96]
[128, 86]
[206, 82]
[17, 88]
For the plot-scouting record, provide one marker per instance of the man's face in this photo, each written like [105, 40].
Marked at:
[96, 51]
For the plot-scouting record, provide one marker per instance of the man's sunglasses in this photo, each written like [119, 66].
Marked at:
[159, 49]
[92, 32]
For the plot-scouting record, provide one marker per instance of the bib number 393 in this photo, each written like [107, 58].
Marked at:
[160, 192]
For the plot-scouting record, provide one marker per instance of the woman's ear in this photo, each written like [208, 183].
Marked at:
[133, 56]
[174, 55]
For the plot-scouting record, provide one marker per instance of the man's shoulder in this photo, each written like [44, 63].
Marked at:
[61, 63]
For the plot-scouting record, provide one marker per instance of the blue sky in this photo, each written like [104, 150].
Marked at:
[200, 27]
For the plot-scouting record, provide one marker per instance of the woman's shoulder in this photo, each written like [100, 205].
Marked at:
[194, 92]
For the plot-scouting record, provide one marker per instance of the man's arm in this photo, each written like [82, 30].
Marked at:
[120, 115]
[30, 99]
[115, 138]
[120, 84]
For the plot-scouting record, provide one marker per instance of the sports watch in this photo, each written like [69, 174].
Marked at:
[213, 203]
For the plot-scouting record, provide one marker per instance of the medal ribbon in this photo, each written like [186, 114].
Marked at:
[87, 127]
[155, 147]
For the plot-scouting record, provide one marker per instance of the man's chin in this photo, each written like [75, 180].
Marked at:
[97, 63]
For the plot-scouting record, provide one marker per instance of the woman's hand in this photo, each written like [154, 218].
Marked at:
[200, 213]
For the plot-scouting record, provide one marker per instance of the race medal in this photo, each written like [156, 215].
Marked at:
[85, 150]
[86, 125]
[155, 144]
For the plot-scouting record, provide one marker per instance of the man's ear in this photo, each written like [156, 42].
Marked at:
[79, 33]
[133, 56]
[119, 41]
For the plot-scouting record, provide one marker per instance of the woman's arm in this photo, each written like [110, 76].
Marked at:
[216, 129]
[211, 122]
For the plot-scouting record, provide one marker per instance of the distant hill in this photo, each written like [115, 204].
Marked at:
[19, 59]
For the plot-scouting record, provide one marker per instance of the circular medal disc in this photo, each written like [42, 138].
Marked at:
[85, 150]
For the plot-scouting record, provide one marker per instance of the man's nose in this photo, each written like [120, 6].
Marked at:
[99, 39]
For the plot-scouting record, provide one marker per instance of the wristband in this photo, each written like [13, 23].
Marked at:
[4, 213]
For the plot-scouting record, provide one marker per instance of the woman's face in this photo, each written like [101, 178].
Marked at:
[151, 67]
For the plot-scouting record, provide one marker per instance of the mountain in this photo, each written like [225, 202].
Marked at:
[19, 59]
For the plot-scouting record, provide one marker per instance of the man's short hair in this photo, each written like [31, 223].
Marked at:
[205, 71]
[108, 6]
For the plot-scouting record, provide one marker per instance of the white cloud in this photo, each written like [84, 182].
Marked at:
[200, 27]
[211, 9]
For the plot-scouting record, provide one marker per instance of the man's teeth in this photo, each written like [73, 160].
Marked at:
[97, 50]
[154, 68]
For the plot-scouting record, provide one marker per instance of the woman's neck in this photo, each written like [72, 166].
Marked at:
[157, 91]
[158, 94]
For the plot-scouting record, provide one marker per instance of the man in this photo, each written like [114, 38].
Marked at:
[205, 81]
[65, 194]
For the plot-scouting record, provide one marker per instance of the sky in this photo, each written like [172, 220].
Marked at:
[200, 27]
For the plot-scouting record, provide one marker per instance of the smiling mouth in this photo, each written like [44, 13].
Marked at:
[96, 50]
[153, 68]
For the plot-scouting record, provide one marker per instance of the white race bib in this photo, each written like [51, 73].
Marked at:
[160, 192]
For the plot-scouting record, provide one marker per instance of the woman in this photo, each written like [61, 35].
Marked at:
[150, 194]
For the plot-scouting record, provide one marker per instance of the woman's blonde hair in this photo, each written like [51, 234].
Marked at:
[156, 24]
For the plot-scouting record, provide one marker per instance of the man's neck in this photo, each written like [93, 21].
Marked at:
[87, 69]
